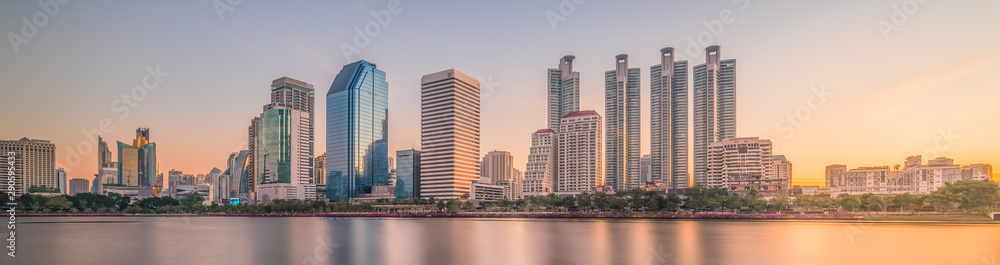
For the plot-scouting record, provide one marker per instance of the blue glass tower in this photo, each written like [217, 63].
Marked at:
[407, 174]
[357, 110]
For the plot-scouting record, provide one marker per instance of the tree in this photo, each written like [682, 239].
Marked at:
[970, 194]
[192, 202]
[59, 203]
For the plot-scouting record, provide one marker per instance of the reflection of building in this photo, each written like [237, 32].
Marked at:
[78, 186]
[668, 93]
[621, 116]
[357, 109]
[916, 178]
[449, 134]
[137, 162]
[540, 171]
[34, 163]
[283, 144]
[714, 107]
[579, 159]
[744, 164]
[407, 174]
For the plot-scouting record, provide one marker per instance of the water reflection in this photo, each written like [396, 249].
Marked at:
[244, 240]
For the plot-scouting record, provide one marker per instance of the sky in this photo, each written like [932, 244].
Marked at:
[860, 83]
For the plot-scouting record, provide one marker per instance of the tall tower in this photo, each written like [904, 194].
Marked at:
[137, 162]
[540, 172]
[564, 91]
[714, 107]
[497, 168]
[104, 158]
[449, 134]
[283, 147]
[579, 159]
[357, 130]
[668, 93]
[621, 102]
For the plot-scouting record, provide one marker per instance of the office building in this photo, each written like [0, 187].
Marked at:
[319, 170]
[104, 156]
[915, 178]
[449, 134]
[714, 107]
[407, 174]
[621, 101]
[78, 185]
[497, 168]
[564, 91]
[137, 162]
[34, 163]
[357, 124]
[61, 181]
[283, 144]
[668, 92]
[783, 171]
[540, 171]
[645, 168]
[251, 169]
[744, 164]
[579, 153]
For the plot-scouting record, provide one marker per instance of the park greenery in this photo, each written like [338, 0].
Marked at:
[980, 197]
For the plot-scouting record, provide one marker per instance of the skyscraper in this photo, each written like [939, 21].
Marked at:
[283, 144]
[236, 172]
[407, 174]
[579, 159]
[668, 93]
[540, 172]
[78, 185]
[714, 107]
[357, 124]
[137, 162]
[251, 169]
[564, 91]
[61, 181]
[319, 170]
[449, 134]
[104, 158]
[621, 101]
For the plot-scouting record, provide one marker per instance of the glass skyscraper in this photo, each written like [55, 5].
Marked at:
[668, 106]
[407, 174]
[564, 91]
[357, 124]
[621, 110]
[137, 162]
[714, 107]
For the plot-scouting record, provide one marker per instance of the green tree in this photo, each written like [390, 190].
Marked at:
[59, 203]
[193, 202]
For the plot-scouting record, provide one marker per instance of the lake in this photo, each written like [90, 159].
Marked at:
[315, 240]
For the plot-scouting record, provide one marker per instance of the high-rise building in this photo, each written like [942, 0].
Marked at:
[78, 185]
[497, 168]
[137, 162]
[104, 156]
[251, 169]
[743, 164]
[540, 172]
[449, 134]
[564, 91]
[319, 170]
[407, 174]
[714, 107]
[621, 101]
[579, 159]
[237, 174]
[61, 181]
[668, 92]
[783, 171]
[645, 168]
[357, 124]
[34, 163]
[283, 148]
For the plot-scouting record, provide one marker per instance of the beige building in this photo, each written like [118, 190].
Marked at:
[540, 171]
[915, 178]
[497, 168]
[449, 134]
[34, 163]
[743, 164]
[579, 160]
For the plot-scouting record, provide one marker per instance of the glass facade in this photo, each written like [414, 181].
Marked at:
[274, 143]
[357, 107]
[407, 173]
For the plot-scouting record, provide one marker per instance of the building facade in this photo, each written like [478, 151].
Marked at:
[497, 168]
[449, 134]
[579, 153]
[621, 101]
[137, 162]
[540, 171]
[782, 168]
[714, 107]
[407, 174]
[34, 163]
[564, 91]
[668, 92]
[357, 109]
[743, 164]
[78, 185]
[915, 178]
[283, 143]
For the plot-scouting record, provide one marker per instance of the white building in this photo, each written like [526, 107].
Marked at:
[579, 160]
[915, 178]
[540, 172]
[621, 110]
[668, 93]
[449, 134]
[744, 164]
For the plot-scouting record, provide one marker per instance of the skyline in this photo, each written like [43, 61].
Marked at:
[881, 95]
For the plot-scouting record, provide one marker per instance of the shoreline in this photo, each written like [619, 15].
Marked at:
[662, 216]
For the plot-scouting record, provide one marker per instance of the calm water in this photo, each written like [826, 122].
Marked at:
[308, 240]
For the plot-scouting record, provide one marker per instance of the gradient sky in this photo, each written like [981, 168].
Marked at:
[889, 97]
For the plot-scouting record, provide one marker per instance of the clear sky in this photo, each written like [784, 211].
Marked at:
[922, 79]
